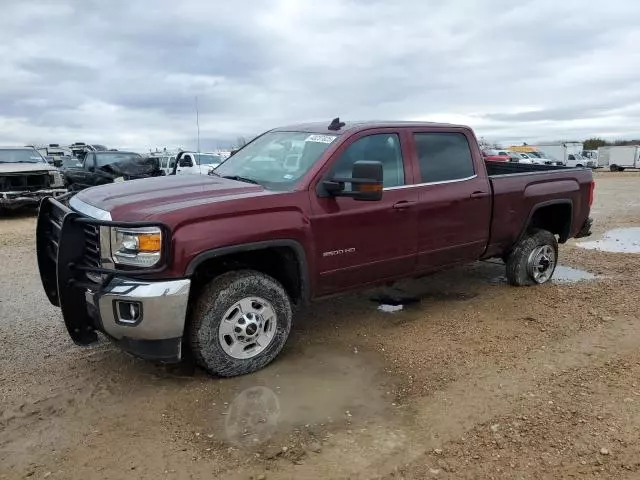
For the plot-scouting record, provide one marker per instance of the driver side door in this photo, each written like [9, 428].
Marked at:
[364, 242]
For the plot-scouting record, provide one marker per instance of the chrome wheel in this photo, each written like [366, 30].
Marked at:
[542, 263]
[247, 328]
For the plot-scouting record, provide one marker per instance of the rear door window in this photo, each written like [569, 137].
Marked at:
[443, 157]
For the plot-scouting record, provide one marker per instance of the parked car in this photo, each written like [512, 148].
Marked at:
[100, 167]
[496, 155]
[192, 163]
[619, 157]
[26, 178]
[217, 264]
[527, 158]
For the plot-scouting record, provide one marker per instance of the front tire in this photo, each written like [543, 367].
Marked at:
[533, 260]
[241, 321]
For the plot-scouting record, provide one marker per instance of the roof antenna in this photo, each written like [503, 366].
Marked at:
[336, 124]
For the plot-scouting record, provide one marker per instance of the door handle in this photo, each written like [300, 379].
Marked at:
[478, 194]
[403, 205]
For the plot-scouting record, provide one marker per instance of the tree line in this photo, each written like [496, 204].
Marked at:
[594, 143]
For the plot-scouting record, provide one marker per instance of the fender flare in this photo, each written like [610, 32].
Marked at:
[548, 203]
[298, 249]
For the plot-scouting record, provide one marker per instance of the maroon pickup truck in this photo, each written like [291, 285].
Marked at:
[215, 265]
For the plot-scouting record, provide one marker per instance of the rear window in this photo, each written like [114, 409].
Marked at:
[443, 157]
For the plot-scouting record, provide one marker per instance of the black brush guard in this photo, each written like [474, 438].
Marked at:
[66, 256]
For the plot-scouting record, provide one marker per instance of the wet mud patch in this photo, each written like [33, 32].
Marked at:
[618, 240]
[562, 275]
[298, 400]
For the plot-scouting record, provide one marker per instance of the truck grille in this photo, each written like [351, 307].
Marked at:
[92, 245]
[24, 182]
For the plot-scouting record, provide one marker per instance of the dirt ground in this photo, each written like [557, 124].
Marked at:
[476, 380]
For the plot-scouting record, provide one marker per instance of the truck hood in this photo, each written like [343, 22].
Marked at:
[25, 167]
[151, 198]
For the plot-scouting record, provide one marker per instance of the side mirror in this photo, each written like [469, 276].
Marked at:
[366, 182]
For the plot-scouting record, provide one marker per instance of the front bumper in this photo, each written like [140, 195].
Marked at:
[93, 298]
[24, 199]
[156, 334]
[585, 230]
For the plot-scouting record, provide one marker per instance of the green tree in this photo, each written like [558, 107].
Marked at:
[594, 143]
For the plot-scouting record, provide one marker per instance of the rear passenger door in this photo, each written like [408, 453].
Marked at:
[454, 200]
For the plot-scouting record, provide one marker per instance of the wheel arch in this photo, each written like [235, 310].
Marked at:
[283, 259]
[555, 216]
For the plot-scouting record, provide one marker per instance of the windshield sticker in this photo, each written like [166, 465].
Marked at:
[320, 138]
[35, 158]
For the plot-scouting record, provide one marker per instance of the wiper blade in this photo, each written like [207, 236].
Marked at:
[240, 179]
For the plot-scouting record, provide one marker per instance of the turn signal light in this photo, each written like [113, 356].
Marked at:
[149, 242]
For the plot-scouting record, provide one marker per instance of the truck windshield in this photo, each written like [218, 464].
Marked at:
[103, 159]
[277, 160]
[20, 155]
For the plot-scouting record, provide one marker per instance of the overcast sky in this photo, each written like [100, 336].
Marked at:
[126, 72]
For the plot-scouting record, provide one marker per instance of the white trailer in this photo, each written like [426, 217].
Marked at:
[617, 158]
[567, 153]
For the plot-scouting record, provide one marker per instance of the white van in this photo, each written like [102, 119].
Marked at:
[619, 157]
[192, 163]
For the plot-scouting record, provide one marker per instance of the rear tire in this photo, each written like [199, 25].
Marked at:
[613, 168]
[241, 321]
[533, 260]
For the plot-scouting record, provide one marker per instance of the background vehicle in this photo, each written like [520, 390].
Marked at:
[530, 159]
[568, 153]
[531, 153]
[26, 178]
[496, 155]
[99, 168]
[192, 163]
[216, 264]
[591, 155]
[55, 154]
[618, 158]
[166, 161]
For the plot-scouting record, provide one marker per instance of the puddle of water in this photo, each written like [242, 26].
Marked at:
[561, 275]
[619, 240]
[318, 388]
[564, 274]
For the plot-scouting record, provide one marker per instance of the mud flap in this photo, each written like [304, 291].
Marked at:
[585, 231]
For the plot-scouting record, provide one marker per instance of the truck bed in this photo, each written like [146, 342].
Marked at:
[518, 188]
[512, 168]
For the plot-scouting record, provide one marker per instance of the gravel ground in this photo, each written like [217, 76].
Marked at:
[475, 380]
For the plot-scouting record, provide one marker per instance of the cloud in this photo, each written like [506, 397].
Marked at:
[127, 73]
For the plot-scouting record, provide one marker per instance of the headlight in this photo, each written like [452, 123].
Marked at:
[56, 179]
[140, 247]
